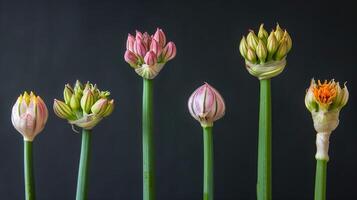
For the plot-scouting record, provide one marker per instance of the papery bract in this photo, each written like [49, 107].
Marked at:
[29, 115]
[206, 105]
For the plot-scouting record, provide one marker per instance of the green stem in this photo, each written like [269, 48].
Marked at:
[82, 182]
[29, 174]
[208, 183]
[148, 143]
[320, 179]
[264, 143]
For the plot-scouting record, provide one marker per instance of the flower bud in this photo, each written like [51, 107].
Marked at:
[131, 58]
[278, 33]
[110, 108]
[282, 50]
[206, 105]
[150, 58]
[75, 103]
[138, 35]
[288, 39]
[272, 45]
[67, 93]
[62, 110]
[169, 52]
[243, 47]
[100, 107]
[78, 88]
[261, 51]
[252, 40]
[155, 47]
[263, 34]
[87, 101]
[130, 43]
[29, 115]
[251, 57]
[160, 37]
[139, 48]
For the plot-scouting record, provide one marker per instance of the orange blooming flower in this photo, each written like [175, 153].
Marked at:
[325, 92]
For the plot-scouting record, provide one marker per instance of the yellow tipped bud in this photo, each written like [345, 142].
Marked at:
[261, 51]
[74, 103]
[62, 110]
[272, 45]
[278, 33]
[251, 57]
[67, 93]
[243, 47]
[263, 34]
[282, 50]
[110, 108]
[87, 101]
[252, 40]
[288, 39]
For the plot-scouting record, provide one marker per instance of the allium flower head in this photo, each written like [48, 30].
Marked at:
[147, 54]
[206, 105]
[29, 115]
[84, 106]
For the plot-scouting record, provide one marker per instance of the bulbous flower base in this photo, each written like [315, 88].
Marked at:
[267, 70]
[149, 71]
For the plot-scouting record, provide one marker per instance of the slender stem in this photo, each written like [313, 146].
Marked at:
[29, 174]
[208, 183]
[264, 143]
[148, 143]
[82, 182]
[320, 179]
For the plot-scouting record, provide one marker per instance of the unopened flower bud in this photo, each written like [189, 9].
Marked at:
[278, 33]
[263, 34]
[155, 47]
[282, 50]
[272, 45]
[87, 101]
[139, 48]
[150, 58]
[75, 103]
[261, 51]
[243, 47]
[130, 43]
[252, 40]
[288, 39]
[100, 107]
[67, 93]
[29, 115]
[251, 57]
[160, 37]
[78, 88]
[206, 105]
[169, 52]
[131, 58]
[110, 108]
[62, 110]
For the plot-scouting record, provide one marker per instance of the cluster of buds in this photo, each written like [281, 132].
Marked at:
[206, 105]
[29, 115]
[265, 53]
[84, 106]
[147, 54]
[325, 100]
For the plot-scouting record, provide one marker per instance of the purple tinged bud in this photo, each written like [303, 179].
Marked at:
[130, 58]
[150, 58]
[169, 52]
[160, 37]
[155, 47]
[206, 105]
[139, 48]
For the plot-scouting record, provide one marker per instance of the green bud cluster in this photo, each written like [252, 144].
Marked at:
[264, 47]
[82, 101]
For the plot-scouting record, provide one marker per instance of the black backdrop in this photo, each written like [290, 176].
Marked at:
[45, 44]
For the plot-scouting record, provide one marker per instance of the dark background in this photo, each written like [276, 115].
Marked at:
[45, 44]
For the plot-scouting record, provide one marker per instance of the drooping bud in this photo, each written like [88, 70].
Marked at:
[282, 50]
[263, 34]
[252, 40]
[67, 93]
[131, 58]
[261, 51]
[150, 58]
[169, 52]
[251, 57]
[87, 101]
[29, 115]
[100, 107]
[160, 37]
[206, 105]
[243, 47]
[62, 110]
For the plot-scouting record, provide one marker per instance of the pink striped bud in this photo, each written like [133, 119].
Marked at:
[130, 43]
[160, 37]
[130, 58]
[150, 58]
[146, 40]
[155, 47]
[139, 48]
[169, 52]
[206, 105]
[138, 35]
